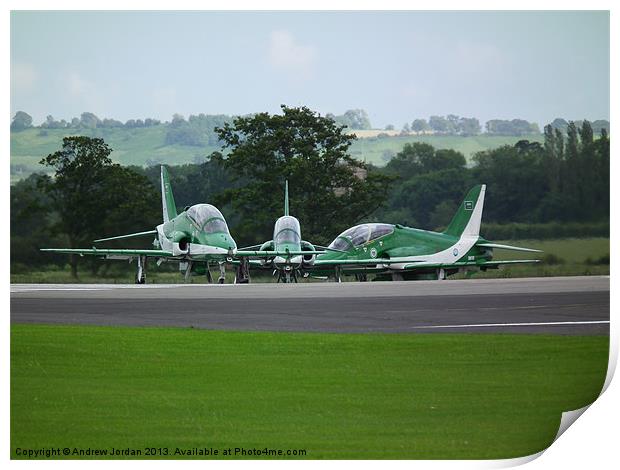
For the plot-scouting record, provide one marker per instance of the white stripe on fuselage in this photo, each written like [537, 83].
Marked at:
[466, 242]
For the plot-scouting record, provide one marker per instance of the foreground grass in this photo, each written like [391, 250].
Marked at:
[337, 396]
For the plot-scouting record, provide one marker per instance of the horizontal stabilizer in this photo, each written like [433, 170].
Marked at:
[508, 247]
[131, 235]
[512, 261]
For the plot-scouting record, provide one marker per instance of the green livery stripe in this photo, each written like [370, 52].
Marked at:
[168, 206]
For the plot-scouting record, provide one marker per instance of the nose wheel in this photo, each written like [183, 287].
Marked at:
[222, 278]
[287, 276]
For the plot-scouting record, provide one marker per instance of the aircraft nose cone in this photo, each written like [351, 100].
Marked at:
[292, 260]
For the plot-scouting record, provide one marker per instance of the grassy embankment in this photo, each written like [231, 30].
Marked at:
[561, 257]
[334, 395]
[142, 145]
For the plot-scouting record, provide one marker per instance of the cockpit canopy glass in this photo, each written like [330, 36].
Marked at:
[360, 234]
[208, 218]
[287, 230]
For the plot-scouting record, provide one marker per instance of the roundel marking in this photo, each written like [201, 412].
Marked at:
[373, 252]
[455, 252]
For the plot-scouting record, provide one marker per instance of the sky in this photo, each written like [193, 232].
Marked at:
[398, 65]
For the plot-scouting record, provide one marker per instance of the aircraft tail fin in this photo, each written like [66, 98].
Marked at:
[466, 221]
[286, 197]
[169, 208]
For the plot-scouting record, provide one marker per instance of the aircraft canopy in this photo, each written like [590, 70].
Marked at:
[359, 235]
[208, 218]
[287, 230]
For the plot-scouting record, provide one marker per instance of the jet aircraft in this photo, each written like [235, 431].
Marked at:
[409, 253]
[196, 238]
[287, 238]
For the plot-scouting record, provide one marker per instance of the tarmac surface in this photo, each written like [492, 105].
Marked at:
[566, 305]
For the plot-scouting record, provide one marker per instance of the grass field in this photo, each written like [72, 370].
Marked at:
[378, 150]
[561, 257]
[333, 395]
[147, 145]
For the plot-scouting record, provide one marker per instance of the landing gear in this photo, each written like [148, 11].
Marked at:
[361, 277]
[222, 278]
[188, 272]
[287, 276]
[441, 274]
[141, 272]
[242, 276]
[338, 274]
[208, 273]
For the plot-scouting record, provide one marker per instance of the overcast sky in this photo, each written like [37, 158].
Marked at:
[396, 65]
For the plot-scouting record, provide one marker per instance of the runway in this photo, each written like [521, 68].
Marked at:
[567, 306]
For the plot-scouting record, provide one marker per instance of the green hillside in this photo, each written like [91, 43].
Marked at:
[147, 146]
[379, 150]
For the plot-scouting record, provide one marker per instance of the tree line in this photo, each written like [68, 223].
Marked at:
[197, 130]
[564, 180]
[468, 126]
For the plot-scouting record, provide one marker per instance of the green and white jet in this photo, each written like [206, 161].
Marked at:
[196, 238]
[409, 253]
[287, 239]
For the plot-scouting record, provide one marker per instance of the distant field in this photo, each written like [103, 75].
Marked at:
[335, 396]
[379, 150]
[561, 257]
[144, 146]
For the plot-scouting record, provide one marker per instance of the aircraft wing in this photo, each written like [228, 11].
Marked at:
[326, 248]
[462, 264]
[415, 264]
[269, 254]
[507, 247]
[131, 235]
[111, 253]
[357, 262]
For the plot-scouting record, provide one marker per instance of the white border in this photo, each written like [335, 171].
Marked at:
[589, 443]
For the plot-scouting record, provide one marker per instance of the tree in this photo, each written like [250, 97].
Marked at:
[353, 119]
[419, 158]
[89, 120]
[329, 190]
[516, 181]
[469, 126]
[21, 121]
[92, 195]
[551, 162]
[439, 124]
[420, 125]
[559, 123]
